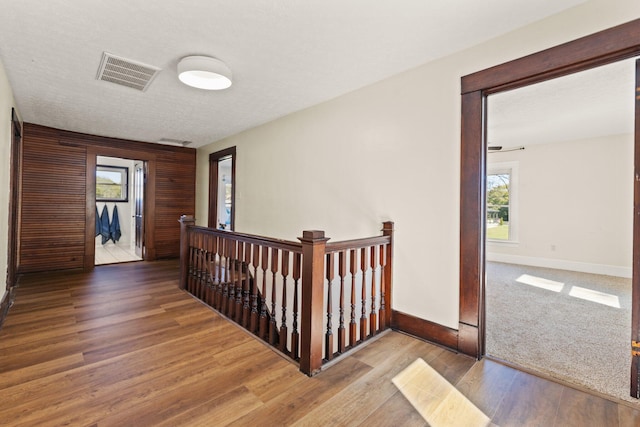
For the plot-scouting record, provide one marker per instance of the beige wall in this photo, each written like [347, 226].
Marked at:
[389, 151]
[575, 206]
[6, 103]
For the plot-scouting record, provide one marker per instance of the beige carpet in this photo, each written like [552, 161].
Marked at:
[571, 326]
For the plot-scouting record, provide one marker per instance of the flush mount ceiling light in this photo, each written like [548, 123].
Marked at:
[204, 72]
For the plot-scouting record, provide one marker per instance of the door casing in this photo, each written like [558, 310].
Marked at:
[615, 44]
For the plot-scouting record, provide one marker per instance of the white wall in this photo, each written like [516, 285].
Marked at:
[389, 151]
[575, 204]
[6, 103]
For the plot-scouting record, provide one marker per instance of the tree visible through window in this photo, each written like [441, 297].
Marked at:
[111, 183]
[498, 205]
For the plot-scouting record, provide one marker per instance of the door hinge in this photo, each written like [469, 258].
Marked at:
[635, 348]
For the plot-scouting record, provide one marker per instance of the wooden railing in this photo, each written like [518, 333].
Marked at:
[293, 295]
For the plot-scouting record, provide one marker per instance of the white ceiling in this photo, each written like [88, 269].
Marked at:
[589, 104]
[286, 55]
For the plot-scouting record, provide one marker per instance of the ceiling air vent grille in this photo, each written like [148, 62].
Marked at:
[126, 72]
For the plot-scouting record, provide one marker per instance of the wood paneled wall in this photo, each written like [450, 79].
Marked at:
[56, 215]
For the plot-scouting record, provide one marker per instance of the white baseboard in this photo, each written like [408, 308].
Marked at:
[561, 264]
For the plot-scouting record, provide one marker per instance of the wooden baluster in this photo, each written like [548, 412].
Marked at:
[205, 270]
[204, 279]
[363, 317]
[383, 308]
[329, 334]
[194, 265]
[254, 292]
[273, 330]
[246, 307]
[215, 268]
[353, 261]
[225, 276]
[373, 315]
[198, 266]
[295, 336]
[232, 278]
[283, 323]
[342, 269]
[240, 278]
[211, 269]
[263, 307]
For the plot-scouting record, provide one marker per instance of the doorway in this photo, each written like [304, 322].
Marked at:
[598, 49]
[222, 191]
[119, 210]
[559, 226]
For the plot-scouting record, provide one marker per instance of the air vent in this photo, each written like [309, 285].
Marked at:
[126, 72]
[176, 142]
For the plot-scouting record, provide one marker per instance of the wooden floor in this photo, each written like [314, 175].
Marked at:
[123, 346]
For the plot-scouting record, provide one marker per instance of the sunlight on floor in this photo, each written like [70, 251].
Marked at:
[574, 291]
[539, 282]
[439, 403]
[595, 296]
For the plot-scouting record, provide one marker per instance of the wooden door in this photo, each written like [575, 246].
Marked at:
[139, 185]
[635, 296]
[14, 196]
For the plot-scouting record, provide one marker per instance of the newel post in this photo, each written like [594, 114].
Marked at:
[185, 221]
[387, 230]
[311, 330]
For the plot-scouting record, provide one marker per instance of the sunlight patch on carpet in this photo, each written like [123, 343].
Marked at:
[595, 296]
[539, 282]
[439, 403]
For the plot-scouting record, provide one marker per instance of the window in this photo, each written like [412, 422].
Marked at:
[501, 206]
[112, 184]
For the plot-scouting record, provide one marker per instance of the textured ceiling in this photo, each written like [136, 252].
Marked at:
[286, 55]
[589, 104]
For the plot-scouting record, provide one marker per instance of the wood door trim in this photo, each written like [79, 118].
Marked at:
[614, 44]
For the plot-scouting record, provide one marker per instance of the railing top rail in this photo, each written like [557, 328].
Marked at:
[287, 245]
[357, 243]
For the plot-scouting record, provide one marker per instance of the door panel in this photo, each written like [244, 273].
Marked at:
[138, 183]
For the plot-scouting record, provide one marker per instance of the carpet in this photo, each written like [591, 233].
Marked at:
[572, 326]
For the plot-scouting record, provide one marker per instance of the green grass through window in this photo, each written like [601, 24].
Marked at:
[500, 232]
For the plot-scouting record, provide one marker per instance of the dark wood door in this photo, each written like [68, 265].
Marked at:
[138, 183]
[635, 296]
[14, 196]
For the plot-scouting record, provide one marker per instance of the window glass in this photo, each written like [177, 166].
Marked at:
[498, 205]
[111, 183]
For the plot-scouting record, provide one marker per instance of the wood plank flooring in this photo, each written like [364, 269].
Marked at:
[123, 346]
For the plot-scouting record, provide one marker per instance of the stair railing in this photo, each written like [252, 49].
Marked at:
[293, 295]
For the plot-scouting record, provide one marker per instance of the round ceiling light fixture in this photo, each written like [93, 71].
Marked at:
[204, 72]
